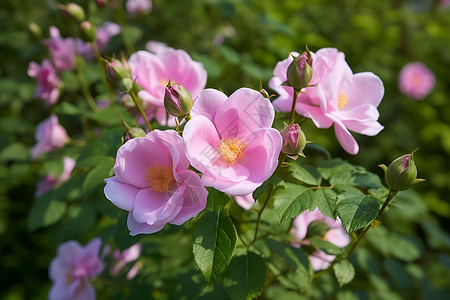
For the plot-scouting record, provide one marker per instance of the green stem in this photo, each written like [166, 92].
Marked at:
[141, 111]
[294, 102]
[84, 88]
[258, 220]
[120, 18]
[390, 196]
[102, 66]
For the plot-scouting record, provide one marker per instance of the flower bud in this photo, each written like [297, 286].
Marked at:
[125, 85]
[100, 3]
[401, 173]
[117, 69]
[74, 11]
[135, 132]
[35, 30]
[294, 141]
[88, 32]
[177, 100]
[299, 72]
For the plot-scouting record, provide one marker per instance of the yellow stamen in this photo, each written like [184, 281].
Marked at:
[231, 149]
[159, 178]
[163, 82]
[342, 100]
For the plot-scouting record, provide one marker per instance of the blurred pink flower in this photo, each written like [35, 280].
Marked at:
[48, 80]
[126, 256]
[62, 50]
[105, 33]
[152, 72]
[50, 135]
[155, 46]
[347, 100]
[137, 7]
[158, 188]
[72, 268]
[49, 181]
[335, 235]
[416, 80]
[229, 139]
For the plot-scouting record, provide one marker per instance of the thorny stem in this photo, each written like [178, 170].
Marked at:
[294, 102]
[141, 111]
[385, 204]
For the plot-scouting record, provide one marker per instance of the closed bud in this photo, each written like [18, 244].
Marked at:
[88, 32]
[117, 70]
[135, 132]
[73, 11]
[100, 3]
[177, 100]
[401, 173]
[294, 141]
[125, 85]
[299, 72]
[35, 30]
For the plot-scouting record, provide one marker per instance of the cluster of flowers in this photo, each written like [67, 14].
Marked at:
[228, 139]
[75, 266]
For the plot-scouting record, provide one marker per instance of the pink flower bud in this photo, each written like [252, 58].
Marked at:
[177, 100]
[299, 72]
[73, 10]
[88, 31]
[118, 70]
[294, 140]
[401, 173]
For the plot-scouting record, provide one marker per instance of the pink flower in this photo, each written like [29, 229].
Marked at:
[137, 7]
[229, 139]
[347, 100]
[49, 181]
[72, 268]
[416, 80]
[154, 184]
[48, 81]
[50, 135]
[156, 46]
[126, 256]
[105, 33]
[335, 235]
[62, 51]
[152, 72]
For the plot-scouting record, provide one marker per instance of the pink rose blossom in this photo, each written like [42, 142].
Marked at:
[126, 256]
[416, 80]
[152, 72]
[154, 184]
[105, 33]
[62, 50]
[49, 181]
[72, 269]
[50, 135]
[335, 235]
[137, 7]
[229, 139]
[156, 46]
[48, 80]
[347, 100]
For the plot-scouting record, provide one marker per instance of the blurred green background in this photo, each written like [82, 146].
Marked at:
[239, 42]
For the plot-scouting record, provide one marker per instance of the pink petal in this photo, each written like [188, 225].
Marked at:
[202, 142]
[194, 197]
[320, 260]
[245, 110]
[141, 228]
[121, 194]
[207, 103]
[345, 138]
[365, 88]
[156, 208]
[246, 201]
[81, 290]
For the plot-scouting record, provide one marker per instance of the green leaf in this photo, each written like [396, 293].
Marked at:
[15, 151]
[296, 259]
[356, 210]
[216, 200]
[326, 201]
[326, 246]
[344, 272]
[79, 221]
[96, 177]
[292, 199]
[245, 277]
[46, 211]
[306, 173]
[214, 239]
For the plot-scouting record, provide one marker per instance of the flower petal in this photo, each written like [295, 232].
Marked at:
[141, 228]
[246, 201]
[120, 193]
[207, 103]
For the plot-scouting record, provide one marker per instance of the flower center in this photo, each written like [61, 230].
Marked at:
[231, 149]
[159, 178]
[342, 100]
